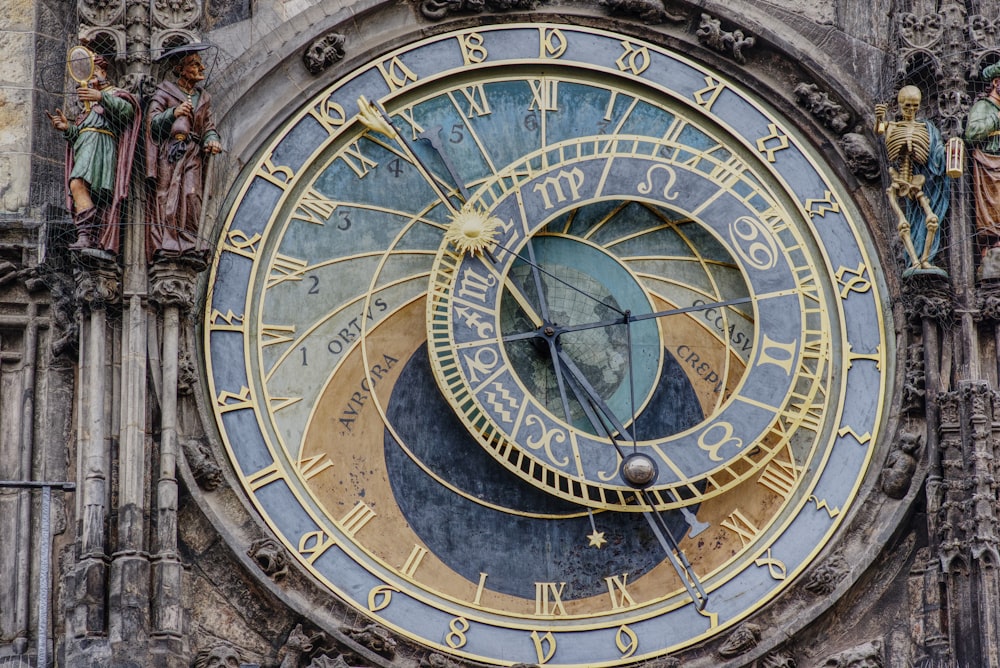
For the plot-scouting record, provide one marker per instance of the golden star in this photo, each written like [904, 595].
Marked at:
[597, 539]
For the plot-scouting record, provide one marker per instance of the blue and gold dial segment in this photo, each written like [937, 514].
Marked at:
[421, 461]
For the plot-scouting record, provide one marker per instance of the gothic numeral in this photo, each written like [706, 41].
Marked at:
[544, 94]
[620, 597]
[356, 518]
[396, 73]
[634, 60]
[357, 161]
[741, 526]
[548, 598]
[314, 208]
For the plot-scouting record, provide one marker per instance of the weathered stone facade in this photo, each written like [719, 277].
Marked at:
[157, 559]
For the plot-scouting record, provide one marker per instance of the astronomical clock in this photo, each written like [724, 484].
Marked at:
[536, 343]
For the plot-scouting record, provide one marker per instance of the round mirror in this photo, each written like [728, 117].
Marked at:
[80, 63]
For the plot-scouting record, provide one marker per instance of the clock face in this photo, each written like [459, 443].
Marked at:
[435, 332]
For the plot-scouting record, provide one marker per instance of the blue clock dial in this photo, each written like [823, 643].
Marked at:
[463, 284]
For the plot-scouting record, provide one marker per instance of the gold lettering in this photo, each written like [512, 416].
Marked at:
[311, 467]
[775, 567]
[774, 134]
[553, 185]
[473, 51]
[280, 175]
[738, 523]
[545, 94]
[357, 161]
[626, 640]
[224, 402]
[632, 59]
[548, 599]
[857, 283]
[726, 437]
[479, 589]
[234, 323]
[380, 597]
[413, 561]
[476, 97]
[356, 518]
[239, 243]
[286, 268]
[457, 629]
[545, 646]
[313, 544]
[553, 43]
[620, 598]
[329, 114]
[265, 477]
[314, 207]
[779, 354]
[273, 334]
[820, 207]
[780, 477]
[395, 73]
[707, 96]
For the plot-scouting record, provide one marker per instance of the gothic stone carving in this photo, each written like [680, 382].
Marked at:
[867, 655]
[710, 33]
[824, 579]
[324, 661]
[648, 11]
[270, 556]
[219, 656]
[819, 104]
[323, 52]
[914, 386]
[206, 471]
[99, 286]
[901, 464]
[375, 638]
[778, 659]
[861, 157]
[742, 640]
[296, 645]
[435, 10]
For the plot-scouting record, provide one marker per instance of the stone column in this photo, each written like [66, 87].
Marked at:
[98, 286]
[129, 587]
[172, 284]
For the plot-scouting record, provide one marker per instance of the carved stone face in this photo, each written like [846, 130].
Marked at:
[909, 102]
[218, 657]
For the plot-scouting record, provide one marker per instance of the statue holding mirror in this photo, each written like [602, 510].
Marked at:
[100, 145]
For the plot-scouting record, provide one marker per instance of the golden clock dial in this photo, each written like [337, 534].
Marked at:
[463, 284]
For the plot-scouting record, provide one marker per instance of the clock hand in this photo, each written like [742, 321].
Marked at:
[675, 554]
[656, 522]
[374, 117]
[433, 137]
[625, 319]
[576, 377]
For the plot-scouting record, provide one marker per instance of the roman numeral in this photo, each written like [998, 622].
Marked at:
[548, 598]
[413, 561]
[357, 161]
[356, 518]
[738, 523]
[620, 598]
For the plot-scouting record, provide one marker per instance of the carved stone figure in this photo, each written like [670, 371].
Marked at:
[861, 157]
[710, 33]
[375, 638]
[743, 639]
[648, 11]
[180, 135]
[296, 645]
[867, 655]
[917, 155]
[203, 466]
[220, 656]
[323, 52]
[900, 465]
[819, 104]
[270, 556]
[824, 579]
[982, 132]
[100, 145]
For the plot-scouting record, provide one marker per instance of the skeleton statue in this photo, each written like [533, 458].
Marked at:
[917, 157]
